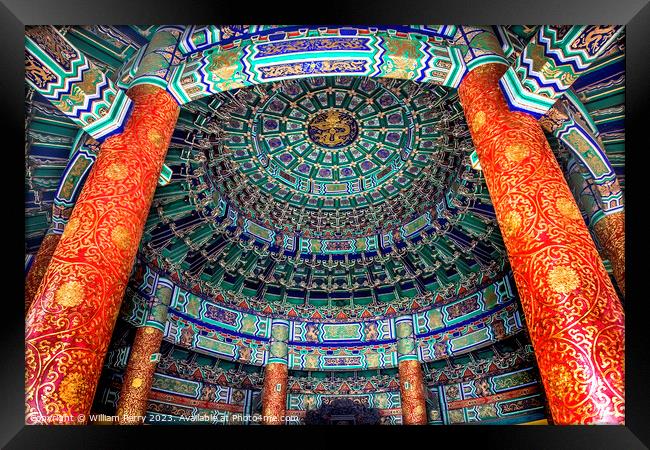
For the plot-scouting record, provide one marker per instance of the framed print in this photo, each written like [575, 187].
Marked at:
[261, 229]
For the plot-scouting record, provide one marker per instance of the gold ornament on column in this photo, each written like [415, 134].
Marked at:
[70, 322]
[39, 266]
[412, 392]
[134, 395]
[274, 394]
[610, 231]
[574, 317]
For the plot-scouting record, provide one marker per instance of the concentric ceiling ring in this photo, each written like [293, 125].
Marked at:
[334, 157]
[222, 232]
[326, 138]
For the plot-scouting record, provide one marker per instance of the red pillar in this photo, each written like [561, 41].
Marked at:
[39, 266]
[71, 319]
[274, 393]
[412, 392]
[411, 378]
[610, 232]
[575, 319]
[138, 377]
[144, 356]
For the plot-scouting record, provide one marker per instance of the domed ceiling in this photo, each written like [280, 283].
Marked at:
[324, 149]
[326, 197]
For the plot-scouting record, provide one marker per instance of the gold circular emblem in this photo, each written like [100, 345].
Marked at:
[121, 237]
[516, 152]
[567, 208]
[511, 223]
[563, 279]
[333, 129]
[479, 121]
[155, 137]
[69, 294]
[560, 382]
[117, 172]
[136, 383]
[73, 389]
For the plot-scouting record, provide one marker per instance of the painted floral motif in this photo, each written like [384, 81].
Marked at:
[575, 319]
[75, 334]
[412, 391]
[138, 378]
[274, 393]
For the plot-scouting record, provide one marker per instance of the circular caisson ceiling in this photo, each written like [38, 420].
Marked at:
[310, 155]
[332, 197]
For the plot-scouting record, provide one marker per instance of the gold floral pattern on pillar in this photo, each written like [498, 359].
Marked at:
[412, 392]
[39, 266]
[66, 335]
[610, 231]
[274, 393]
[575, 318]
[132, 405]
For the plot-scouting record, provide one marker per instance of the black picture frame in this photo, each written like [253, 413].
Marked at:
[15, 14]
